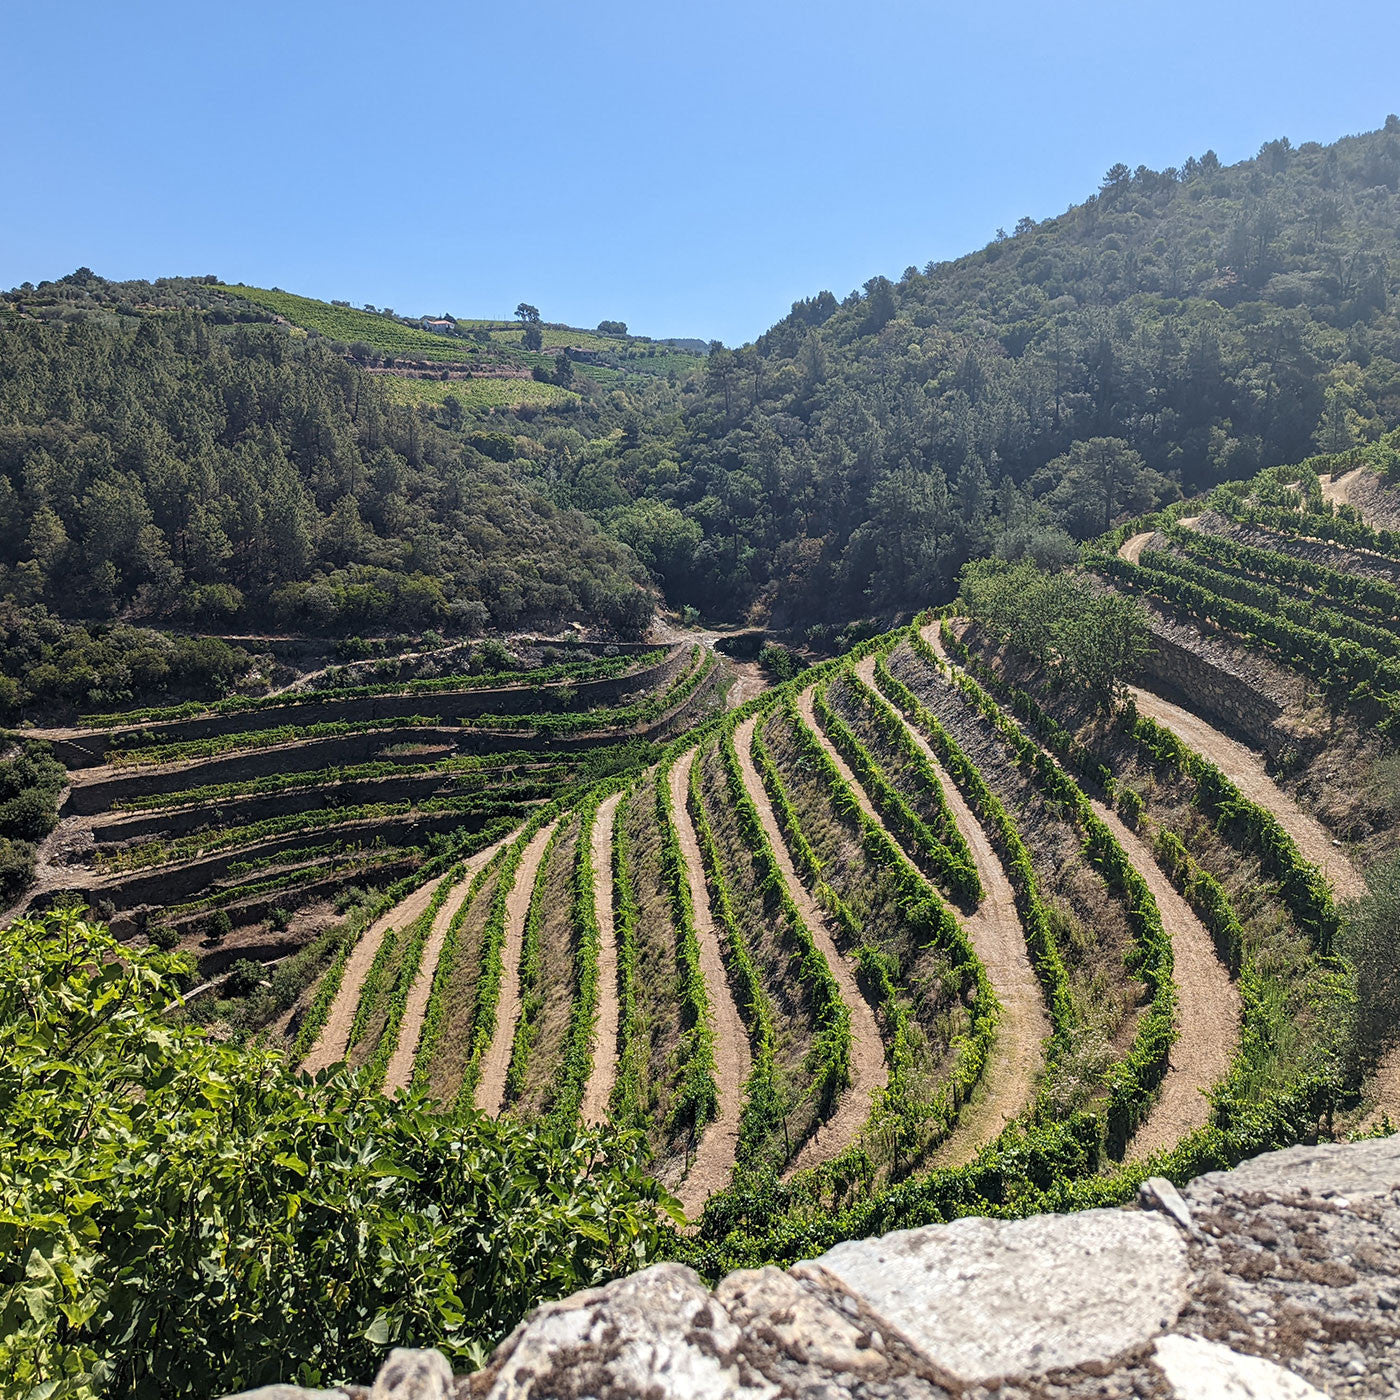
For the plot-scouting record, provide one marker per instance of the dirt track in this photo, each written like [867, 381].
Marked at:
[1208, 1003]
[400, 1070]
[1131, 549]
[714, 1158]
[998, 938]
[491, 1087]
[868, 1069]
[1246, 770]
[600, 1078]
[334, 1039]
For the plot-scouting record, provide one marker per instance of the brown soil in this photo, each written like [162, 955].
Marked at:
[749, 681]
[868, 1070]
[491, 1087]
[998, 938]
[1208, 1008]
[1362, 488]
[600, 1080]
[1208, 1004]
[714, 1158]
[334, 1039]
[1132, 549]
[1246, 770]
[400, 1070]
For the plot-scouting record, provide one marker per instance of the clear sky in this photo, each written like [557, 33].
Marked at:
[688, 169]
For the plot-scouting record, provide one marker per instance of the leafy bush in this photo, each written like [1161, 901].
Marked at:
[182, 1216]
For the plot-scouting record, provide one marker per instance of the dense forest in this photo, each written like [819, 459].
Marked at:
[176, 451]
[1178, 328]
[161, 458]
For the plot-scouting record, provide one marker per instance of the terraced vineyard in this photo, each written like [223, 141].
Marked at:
[492, 366]
[914, 933]
[919, 932]
[254, 833]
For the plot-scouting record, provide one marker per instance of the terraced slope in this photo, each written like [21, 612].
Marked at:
[245, 831]
[400, 1071]
[999, 937]
[1208, 1006]
[1247, 770]
[916, 920]
[490, 1091]
[868, 1073]
[604, 1038]
[714, 1155]
[333, 1041]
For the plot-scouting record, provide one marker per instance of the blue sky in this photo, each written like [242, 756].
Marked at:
[690, 170]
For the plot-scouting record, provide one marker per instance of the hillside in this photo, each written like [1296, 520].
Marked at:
[1003, 911]
[460, 932]
[165, 455]
[1176, 329]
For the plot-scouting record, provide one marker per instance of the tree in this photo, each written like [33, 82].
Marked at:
[1099, 479]
[533, 337]
[527, 315]
[612, 327]
[1086, 638]
[318, 1222]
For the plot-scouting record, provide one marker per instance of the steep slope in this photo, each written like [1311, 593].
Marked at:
[868, 1070]
[997, 934]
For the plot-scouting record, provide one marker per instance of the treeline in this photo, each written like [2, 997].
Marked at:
[157, 463]
[1177, 329]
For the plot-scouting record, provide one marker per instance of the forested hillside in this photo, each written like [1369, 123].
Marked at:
[1178, 328]
[165, 454]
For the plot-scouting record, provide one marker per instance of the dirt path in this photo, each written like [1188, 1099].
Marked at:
[1208, 1008]
[868, 1070]
[998, 938]
[600, 1079]
[714, 1158]
[1131, 549]
[1337, 489]
[749, 681]
[1246, 770]
[1208, 1003]
[491, 1087]
[334, 1039]
[400, 1070]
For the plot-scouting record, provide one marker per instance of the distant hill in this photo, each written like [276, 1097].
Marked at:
[169, 452]
[1177, 328]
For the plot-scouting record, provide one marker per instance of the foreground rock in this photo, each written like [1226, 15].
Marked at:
[1278, 1279]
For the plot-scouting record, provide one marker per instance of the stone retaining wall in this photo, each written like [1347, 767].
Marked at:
[1279, 1279]
[1191, 679]
[443, 706]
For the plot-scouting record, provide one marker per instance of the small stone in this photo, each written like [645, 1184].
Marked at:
[1356, 1368]
[1157, 1193]
[1200, 1370]
[411, 1374]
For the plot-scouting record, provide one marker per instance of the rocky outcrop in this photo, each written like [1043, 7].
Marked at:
[1278, 1279]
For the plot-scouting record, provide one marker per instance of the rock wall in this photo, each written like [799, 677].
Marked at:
[1183, 673]
[445, 706]
[1278, 1279]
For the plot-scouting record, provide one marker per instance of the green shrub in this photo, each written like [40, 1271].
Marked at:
[184, 1217]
